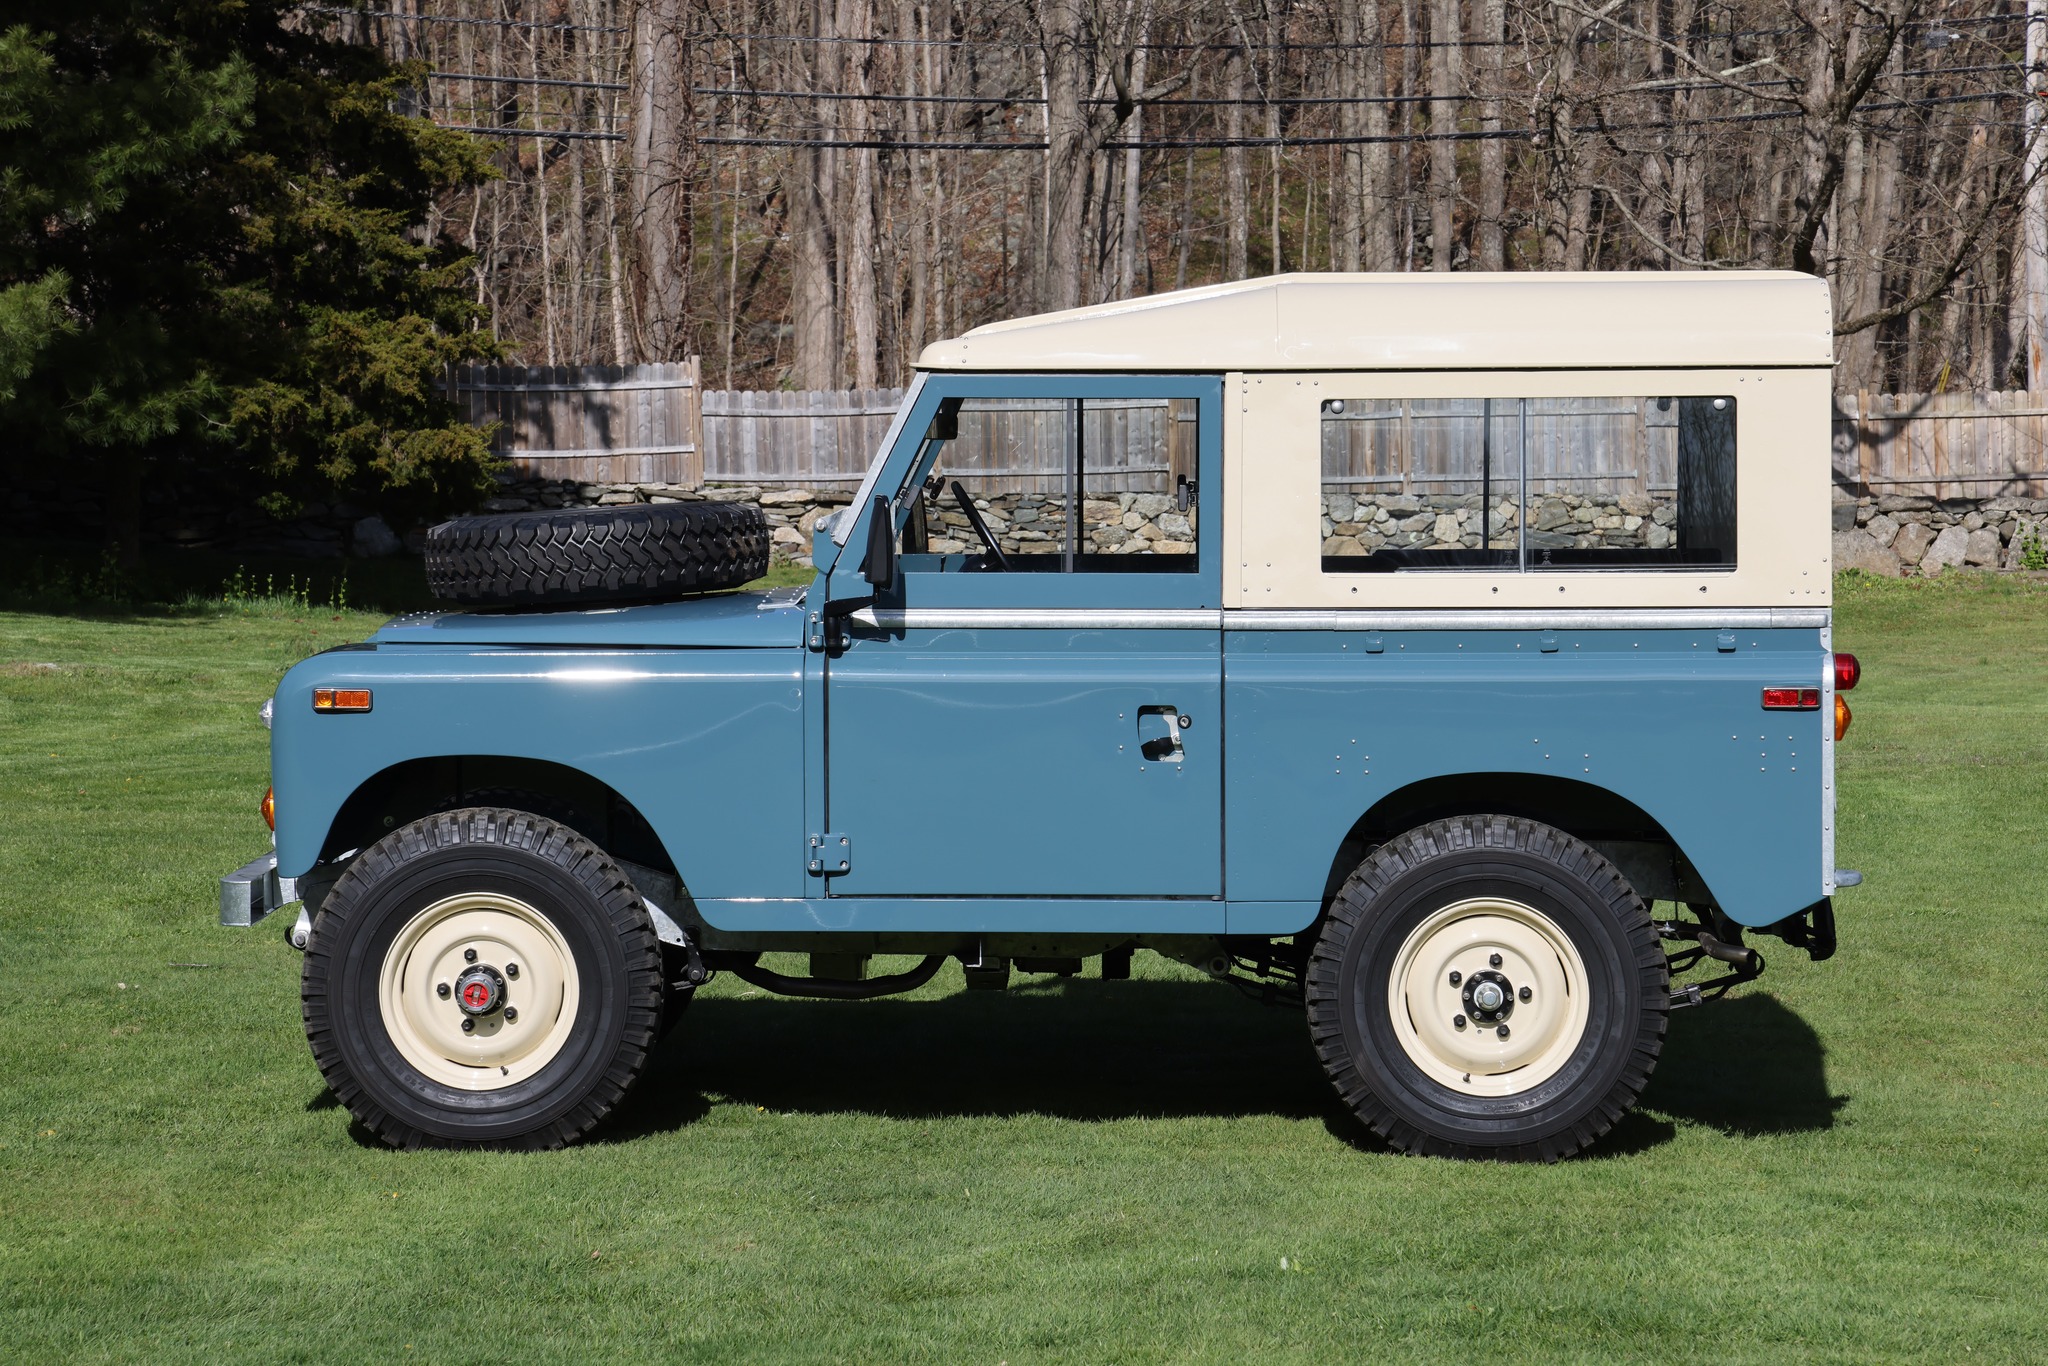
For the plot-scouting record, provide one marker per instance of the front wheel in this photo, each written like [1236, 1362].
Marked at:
[482, 977]
[1488, 987]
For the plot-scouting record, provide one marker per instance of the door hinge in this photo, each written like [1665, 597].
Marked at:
[829, 854]
[814, 635]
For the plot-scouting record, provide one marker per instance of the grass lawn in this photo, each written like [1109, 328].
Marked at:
[1845, 1162]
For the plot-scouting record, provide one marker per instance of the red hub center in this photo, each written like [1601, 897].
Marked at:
[479, 990]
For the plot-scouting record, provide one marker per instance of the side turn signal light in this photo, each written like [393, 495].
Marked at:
[341, 699]
[1841, 717]
[269, 807]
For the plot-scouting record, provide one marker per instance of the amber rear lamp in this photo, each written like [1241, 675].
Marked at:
[1841, 717]
[341, 699]
[269, 807]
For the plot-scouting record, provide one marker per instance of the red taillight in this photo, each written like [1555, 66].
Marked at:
[1847, 671]
[1791, 699]
[1841, 717]
[269, 808]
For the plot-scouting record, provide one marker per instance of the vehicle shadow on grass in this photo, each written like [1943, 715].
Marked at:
[1082, 1049]
[1091, 1050]
[1748, 1066]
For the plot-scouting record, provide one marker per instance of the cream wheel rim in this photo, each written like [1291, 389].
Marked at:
[1509, 954]
[517, 1037]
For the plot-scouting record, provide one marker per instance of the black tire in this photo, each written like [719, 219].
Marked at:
[605, 939]
[1394, 912]
[646, 551]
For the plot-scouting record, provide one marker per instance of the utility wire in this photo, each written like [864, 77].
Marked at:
[1252, 101]
[457, 19]
[543, 134]
[520, 80]
[2016, 17]
[1200, 144]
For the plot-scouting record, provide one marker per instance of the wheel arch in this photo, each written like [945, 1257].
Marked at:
[1634, 840]
[417, 787]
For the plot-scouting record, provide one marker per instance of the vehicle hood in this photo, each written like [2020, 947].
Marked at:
[726, 620]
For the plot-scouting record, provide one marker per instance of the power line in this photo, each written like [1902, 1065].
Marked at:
[457, 19]
[538, 133]
[1255, 102]
[1027, 41]
[1204, 144]
[520, 80]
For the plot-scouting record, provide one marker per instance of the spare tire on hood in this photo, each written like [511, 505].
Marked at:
[643, 551]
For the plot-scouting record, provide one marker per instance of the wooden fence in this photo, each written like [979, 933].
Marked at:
[600, 424]
[1961, 445]
[653, 424]
[815, 437]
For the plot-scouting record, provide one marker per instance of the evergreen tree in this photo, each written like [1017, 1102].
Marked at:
[211, 243]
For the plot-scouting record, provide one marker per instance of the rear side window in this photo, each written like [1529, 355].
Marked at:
[1528, 484]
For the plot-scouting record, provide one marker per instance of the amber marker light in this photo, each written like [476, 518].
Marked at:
[269, 807]
[1841, 717]
[341, 699]
[1791, 699]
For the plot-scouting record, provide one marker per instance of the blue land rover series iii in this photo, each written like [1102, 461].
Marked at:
[1449, 654]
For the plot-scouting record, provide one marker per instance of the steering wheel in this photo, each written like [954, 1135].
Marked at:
[995, 547]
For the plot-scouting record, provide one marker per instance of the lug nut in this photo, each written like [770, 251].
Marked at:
[1457, 1021]
[1493, 960]
[1457, 977]
[442, 991]
[511, 1014]
[1524, 993]
[469, 956]
[1502, 1031]
[468, 1026]
[511, 969]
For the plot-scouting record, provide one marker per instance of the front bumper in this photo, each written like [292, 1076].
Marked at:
[253, 891]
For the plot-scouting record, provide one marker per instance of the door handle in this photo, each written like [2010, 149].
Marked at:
[1165, 748]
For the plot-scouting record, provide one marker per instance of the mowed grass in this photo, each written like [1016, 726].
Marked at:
[1845, 1162]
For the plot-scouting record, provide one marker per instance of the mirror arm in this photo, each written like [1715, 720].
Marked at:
[846, 607]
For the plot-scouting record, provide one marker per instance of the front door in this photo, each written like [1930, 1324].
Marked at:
[1036, 711]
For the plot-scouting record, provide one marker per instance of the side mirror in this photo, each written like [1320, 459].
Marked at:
[878, 566]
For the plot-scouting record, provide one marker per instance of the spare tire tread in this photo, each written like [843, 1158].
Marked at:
[645, 551]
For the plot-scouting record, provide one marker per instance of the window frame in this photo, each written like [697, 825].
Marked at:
[1624, 559]
[1273, 471]
[1078, 588]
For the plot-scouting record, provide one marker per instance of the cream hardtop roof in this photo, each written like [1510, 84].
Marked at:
[1515, 321]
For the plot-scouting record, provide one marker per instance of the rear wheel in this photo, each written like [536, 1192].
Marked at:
[482, 977]
[1488, 987]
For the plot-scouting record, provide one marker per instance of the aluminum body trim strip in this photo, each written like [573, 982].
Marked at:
[1043, 619]
[1532, 619]
[1310, 619]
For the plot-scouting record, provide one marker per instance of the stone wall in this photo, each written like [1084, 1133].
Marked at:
[1889, 535]
[1358, 524]
[1897, 534]
[1025, 523]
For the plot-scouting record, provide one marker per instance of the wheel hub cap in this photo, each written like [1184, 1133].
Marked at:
[1489, 998]
[479, 991]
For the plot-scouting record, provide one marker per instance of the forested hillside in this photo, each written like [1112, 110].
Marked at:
[807, 193]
